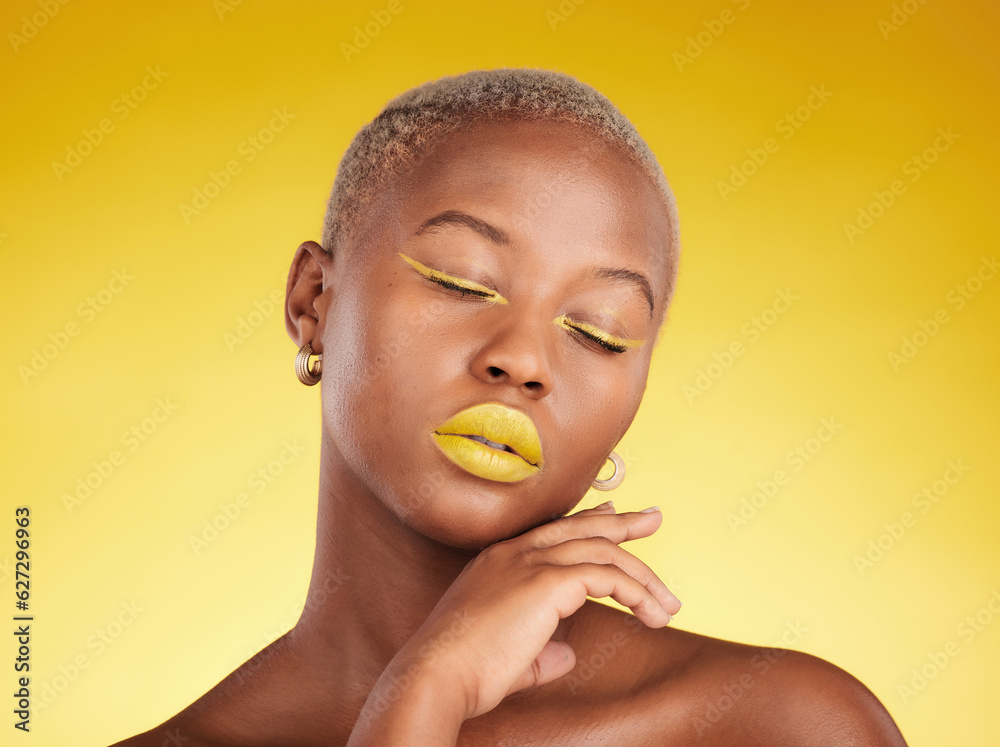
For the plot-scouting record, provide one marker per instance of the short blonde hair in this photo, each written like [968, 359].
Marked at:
[406, 129]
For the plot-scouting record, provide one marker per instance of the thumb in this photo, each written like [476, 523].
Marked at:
[554, 660]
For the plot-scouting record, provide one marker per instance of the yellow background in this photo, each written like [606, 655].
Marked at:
[792, 566]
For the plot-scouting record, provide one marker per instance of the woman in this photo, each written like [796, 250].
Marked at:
[498, 256]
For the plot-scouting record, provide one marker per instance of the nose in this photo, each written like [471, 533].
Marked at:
[517, 355]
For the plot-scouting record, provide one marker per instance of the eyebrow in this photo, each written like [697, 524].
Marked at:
[636, 279]
[498, 236]
[458, 218]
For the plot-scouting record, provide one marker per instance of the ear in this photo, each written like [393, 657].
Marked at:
[306, 302]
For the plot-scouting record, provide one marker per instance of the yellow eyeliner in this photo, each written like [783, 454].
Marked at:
[437, 276]
[620, 342]
[488, 294]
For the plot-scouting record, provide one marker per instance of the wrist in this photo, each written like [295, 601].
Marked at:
[410, 704]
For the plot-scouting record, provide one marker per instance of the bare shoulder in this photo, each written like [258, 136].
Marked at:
[164, 736]
[634, 685]
[731, 692]
[192, 727]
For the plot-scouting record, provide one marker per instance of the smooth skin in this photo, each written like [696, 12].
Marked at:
[448, 609]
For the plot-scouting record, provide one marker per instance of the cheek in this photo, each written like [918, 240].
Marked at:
[355, 355]
[611, 388]
[599, 403]
[375, 375]
[381, 355]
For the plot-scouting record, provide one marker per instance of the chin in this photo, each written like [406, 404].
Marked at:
[471, 519]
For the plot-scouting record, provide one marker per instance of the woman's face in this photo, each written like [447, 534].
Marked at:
[557, 238]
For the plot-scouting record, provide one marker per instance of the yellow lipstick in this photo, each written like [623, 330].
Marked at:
[491, 441]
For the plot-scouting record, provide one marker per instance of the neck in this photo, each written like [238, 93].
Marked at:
[374, 582]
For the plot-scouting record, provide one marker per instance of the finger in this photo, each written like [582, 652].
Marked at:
[602, 550]
[616, 527]
[600, 581]
[556, 659]
[607, 507]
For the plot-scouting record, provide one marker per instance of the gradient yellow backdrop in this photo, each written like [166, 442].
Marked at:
[831, 347]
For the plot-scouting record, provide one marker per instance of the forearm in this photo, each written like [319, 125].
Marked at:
[407, 710]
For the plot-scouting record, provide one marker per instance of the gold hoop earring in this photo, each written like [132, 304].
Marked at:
[617, 477]
[308, 376]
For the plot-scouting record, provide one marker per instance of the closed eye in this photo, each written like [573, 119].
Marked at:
[453, 283]
[596, 334]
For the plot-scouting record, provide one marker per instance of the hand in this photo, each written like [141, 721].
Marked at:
[490, 634]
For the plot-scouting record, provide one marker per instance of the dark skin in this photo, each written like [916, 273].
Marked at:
[416, 555]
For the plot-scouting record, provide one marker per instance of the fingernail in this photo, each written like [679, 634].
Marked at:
[606, 504]
[650, 510]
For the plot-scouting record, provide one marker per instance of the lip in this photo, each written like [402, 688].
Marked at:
[502, 425]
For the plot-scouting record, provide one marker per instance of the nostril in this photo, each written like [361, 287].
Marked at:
[500, 375]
